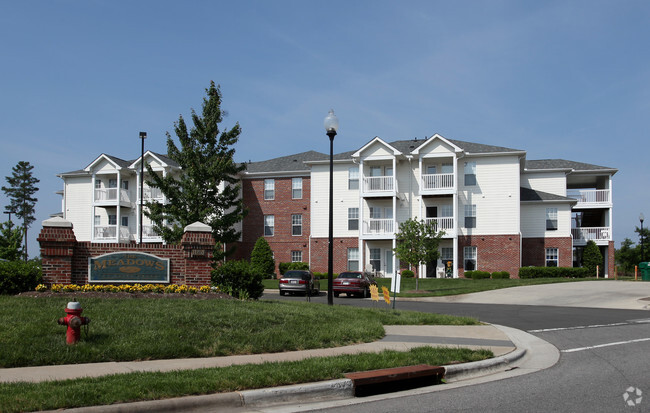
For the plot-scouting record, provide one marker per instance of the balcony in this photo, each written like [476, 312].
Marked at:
[379, 185]
[596, 198]
[445, 224]
[379, 228]
[108, 196]
[437, 184]
[109, 233]
[597, 234]
[152, 194]
[148, 234]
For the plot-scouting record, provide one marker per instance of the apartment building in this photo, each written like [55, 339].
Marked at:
[498, 210]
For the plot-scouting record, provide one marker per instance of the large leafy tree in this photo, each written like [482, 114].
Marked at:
[20, 191]
[417, 243]
[11, 237]
[207, 190]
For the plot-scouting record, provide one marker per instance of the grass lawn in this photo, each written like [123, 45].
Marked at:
[434, 287]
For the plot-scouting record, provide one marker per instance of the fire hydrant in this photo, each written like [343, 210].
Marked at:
[74, 321]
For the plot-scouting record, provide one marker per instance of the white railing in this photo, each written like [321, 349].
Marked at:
[106, 232]
[110, 194]
[378, 183]
[437, 181]
[148, 232]
[591, 196]
[378, 226]
[441, 224]
[591, 233]
[152, 194]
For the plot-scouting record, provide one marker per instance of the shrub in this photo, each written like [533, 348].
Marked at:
[591, 257]
[262, 260]
[283, 267]
[19, 276]
[408, 274]
[553, 272]
[477, 275]
[239, 279]
[500, 275]
[286, 266]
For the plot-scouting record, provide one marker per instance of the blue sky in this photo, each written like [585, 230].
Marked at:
[559, 79]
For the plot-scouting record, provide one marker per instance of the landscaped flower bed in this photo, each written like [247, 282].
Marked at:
[129, 288]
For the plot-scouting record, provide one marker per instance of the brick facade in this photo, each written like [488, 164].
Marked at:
[65, 261]
[494, 253]
[533, 251]
[319, 254]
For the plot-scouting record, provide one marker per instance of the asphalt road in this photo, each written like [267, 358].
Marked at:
[604, 355]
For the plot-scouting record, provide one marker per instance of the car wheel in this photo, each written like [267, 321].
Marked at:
[366, 293]
[336, 294]
[282, 292]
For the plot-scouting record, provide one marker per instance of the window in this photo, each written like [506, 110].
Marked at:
[470, 216]
[446, 253]
[112, 220]
[447, 168]
[447, 211]
[296, 188]
[125, 221]
[470, 173]
[269, 189]
[353, 259]
[296, 224]
[98, 183]
[375, 213]
[353, 178]
[551, 219]
[470, 258]
[375, 259]
[551, 257]
[112, 183]
[269, 225]
[296, 256]
[353, 219]
[431, 170]
[125, 185]
[98, 220]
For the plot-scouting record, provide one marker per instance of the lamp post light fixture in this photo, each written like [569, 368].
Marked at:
[331, 126]
[642, 218]
[143, 136]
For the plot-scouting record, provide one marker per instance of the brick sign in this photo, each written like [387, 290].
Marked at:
[131, 267]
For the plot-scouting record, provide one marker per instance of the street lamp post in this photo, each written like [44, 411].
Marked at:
[642, 218]
[331, 126]
[143, 136]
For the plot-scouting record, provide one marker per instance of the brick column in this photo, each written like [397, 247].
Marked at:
[57, 242]
[198, 250]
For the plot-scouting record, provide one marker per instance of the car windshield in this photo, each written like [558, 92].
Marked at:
[301, 275]
[350, 275]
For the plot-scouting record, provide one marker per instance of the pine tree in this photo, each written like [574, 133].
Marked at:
[417, 243]
[262, 260]
[21, 190]
[591, 257]
[208, 188]
[11, 248]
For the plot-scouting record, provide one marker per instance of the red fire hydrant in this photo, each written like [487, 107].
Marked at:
[74, 321]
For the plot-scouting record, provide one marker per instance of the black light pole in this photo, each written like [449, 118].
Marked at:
[143, 136]
[331, 125]
[642, 218]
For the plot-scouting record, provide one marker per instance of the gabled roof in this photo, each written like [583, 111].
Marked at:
[531, 195]
[467, 147]
[435, 137]
[289, 163]
[562, 164]
[377, 139]
[163, 159]
[119, 163]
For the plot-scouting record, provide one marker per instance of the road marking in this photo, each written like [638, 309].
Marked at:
[578, 327]
[572, 350]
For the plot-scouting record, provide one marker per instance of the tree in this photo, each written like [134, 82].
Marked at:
[262, 260]
[207, 189]
[628, 256]
[21, 190]
[417, 243]
[10, 241]
[591, 257]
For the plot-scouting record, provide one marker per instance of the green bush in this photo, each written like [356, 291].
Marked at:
[500, 275]
[324, 275]
[408, 274]
[262, 260]
[553, 272]
[592, 258]
[239, 279]
[477, 275]
[19, 276]
[286, 266]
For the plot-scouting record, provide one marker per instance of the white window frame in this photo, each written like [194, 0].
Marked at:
[269, 189]
[112, 219]
[269, 225]
[98, 184]
[446, 253]
[98, 220]
[470, 212]
[552, 255]
[125, 185]
[353, 219]
[374, 254]
[296, 225]
[124, 219]
[470, 173]
[296, 188]
[551, 216]
[112, 183]
[353, 178]
[470, 253]
[296, 256]
[353, 259]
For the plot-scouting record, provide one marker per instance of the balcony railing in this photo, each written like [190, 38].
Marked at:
[110, 195]
[152, 194]
[442, 223]
[591, 233]
[378, 227]
[378, 183]
[591, 196]
[149, 233]
[437, 181]
[105, 232]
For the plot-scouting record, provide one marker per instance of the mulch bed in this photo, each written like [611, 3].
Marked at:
[126, 295]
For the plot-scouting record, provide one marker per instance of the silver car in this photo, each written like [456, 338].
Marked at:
[299, 281]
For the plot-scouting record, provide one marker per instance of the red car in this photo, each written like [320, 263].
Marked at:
[353, 283]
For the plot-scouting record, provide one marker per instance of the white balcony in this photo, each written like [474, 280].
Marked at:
[149, 234]
[151, 194]
[108, 196]
[378, 185]
[379, 227]
[596, 234]
[445, 224]
[591, 197]
[437, 183]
